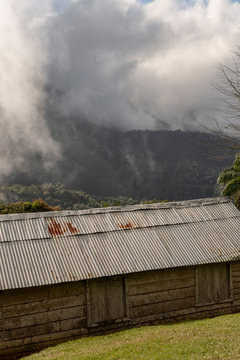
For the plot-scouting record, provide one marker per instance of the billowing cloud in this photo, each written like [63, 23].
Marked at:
[23, 59]
[136, 65]
[122, 63]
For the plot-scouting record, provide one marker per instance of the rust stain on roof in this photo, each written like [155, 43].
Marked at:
[128, 225]
[72, 228]
[55, 228]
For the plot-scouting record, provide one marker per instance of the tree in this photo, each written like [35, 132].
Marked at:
[26, 207]
[228, 135]
[228, 87]
[230, 177]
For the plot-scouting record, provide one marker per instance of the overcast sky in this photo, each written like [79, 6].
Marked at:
[139, 65]
[126, 63]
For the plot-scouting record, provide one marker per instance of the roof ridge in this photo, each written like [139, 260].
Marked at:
[127, 208]
[120, 229]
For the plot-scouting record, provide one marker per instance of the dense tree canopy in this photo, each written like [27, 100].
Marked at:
[230, 178]
[38, 205]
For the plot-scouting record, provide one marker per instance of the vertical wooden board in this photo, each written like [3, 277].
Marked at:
[106, 300]
[116, 298]
[217, 283]
[204, 284]
[221, 281]
[98, 300]
[126, 291]
[213, 283]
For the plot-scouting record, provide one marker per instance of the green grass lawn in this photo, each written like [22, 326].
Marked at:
[217, 338]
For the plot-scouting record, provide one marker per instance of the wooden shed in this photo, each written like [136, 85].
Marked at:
[74, 273]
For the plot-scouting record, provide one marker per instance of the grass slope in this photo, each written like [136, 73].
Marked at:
[217, 338]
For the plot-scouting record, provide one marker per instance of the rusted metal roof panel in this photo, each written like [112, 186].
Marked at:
[48, 248]
[65, 223]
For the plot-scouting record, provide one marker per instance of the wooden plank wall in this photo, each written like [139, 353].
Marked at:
[170, 295]
[161, 294]
[35, 318]
[236, 281]
[42, 315]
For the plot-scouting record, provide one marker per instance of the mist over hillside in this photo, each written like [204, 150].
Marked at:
[103, 161]
[77, 77]
[123, 64]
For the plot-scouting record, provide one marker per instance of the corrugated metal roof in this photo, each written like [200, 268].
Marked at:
[54, 247]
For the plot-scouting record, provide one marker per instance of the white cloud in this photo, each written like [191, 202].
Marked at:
[23, 57]
[127, 63]
[124, 63]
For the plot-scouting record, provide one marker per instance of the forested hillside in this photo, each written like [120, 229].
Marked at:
[101, 161]
[19, 198]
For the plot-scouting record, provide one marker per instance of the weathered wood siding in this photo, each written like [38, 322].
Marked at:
[169, 295]
[33, 318]
[106, 300]
[236, 282]
[159, 295]
[213, 283]
[42, 315]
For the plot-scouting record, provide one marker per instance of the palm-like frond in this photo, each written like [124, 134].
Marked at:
[237, 200]
[227, 175]
[230, 173]
[230, 177]
[236, 163]
[232, 187]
